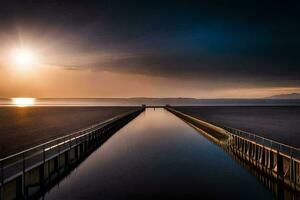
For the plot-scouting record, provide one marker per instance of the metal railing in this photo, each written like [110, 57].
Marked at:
[275, 145]
[272, 144]
[17, 164]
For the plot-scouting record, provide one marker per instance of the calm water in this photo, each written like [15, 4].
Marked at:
[157, 154]
[279, 123]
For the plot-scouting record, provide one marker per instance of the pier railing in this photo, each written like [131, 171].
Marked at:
[24, 174]
[269, 143]
[273, 159]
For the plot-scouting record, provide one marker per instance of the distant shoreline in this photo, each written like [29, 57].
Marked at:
[156, 101]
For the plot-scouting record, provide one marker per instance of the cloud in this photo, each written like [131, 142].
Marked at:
[237, 70]
[237, 44]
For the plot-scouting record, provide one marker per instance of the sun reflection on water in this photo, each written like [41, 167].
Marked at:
[23, 102]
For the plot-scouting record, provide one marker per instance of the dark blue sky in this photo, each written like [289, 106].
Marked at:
[243, 42]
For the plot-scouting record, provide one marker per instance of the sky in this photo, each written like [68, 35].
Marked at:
[201, 49]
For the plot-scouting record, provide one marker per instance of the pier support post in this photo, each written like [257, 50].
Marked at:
[56, 166]
[279, 166]
[85, 144]
[81, 148]
[19, 188]
[249, 151]
[296, 175]
[76, 152]
[271, 163]
[244, 149]
[42, 175]
[292, 172]
[67, 158]
[263, 156]
[237, 144]
[256, 157]
[253, 151]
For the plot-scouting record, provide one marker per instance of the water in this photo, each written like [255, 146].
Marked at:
[279, 123]
[155, 155]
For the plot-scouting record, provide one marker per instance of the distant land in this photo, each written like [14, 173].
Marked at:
[270, 101]
[286, 96]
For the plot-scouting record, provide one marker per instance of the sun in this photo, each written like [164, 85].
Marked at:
[23, 57]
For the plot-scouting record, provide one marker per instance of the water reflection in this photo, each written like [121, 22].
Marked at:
[23, 102]
[155, 155]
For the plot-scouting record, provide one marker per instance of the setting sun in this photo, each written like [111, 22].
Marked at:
[23, 58]
[23, 102]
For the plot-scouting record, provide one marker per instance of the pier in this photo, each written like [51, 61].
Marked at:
[154, 138]
[29, 173]
[159, 155]
[274, 160]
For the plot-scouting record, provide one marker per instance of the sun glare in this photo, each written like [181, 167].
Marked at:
[23, 102]
[23, 58]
